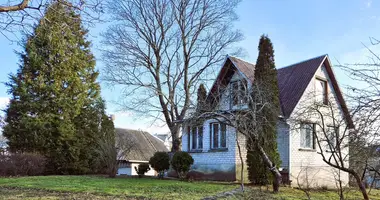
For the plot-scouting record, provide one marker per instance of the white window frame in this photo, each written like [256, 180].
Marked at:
[322, 97]
[191, 138]
[303, 135]
[241, 96]
[212, 133]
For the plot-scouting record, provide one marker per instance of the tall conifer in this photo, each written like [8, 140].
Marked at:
[265, 81]
[55, 86]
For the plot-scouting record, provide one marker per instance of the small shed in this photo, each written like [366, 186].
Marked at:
[136, 147]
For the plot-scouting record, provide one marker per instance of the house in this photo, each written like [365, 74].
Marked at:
[166, 138]
[213, 144]
[372, 175]
[136, 147]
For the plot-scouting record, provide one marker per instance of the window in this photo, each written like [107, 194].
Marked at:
[195, 137]
[307, 135]
[218, 135]
[239, 92]
[332, 135]
[321, 91]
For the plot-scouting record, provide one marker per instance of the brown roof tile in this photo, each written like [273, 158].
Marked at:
[293, 80]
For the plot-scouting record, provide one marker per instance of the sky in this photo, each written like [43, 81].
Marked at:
[299, 30]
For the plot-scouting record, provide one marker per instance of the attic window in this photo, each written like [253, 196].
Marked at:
[321, 91]
[239, 92]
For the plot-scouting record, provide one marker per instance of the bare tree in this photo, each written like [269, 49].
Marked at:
[333, 134]
[305, 180]
[21, 15]
[244, 119]
[158, 50]
[113, 149]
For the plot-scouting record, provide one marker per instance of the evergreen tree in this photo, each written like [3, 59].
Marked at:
[55, 86]
[265, 92]
[201, 99]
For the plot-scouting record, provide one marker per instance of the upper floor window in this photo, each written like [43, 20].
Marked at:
[321, 91]
[307, 135]
[218, 135]
[195, 137]
[239, 92]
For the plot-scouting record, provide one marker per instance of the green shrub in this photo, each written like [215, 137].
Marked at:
[181, 163]
[160, 163]
[142, 169]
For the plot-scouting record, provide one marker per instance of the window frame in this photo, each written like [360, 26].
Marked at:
[325, 91]
[222, 130]
[239, 96]
[199, 138]
[303, 140]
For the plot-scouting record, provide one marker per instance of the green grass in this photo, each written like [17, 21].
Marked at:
[101, 188]
[119, 187]
[287, 193]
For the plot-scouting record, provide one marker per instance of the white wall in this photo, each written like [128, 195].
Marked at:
[307, 163]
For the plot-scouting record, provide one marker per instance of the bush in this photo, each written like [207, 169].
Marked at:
[181, 163]
[26, 164]
[142, 169]
[160, 163]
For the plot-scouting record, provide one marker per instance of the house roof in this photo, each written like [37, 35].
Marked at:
[143, 145]
[292, 80]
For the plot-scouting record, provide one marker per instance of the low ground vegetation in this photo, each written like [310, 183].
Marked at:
[95, 187]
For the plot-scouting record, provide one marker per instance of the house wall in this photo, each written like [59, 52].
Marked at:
[283, 144]
[213, 164]
[129, 169]
[307, 164]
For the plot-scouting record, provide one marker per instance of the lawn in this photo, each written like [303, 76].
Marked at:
[287, 193]
[117, 187]
[101, 188]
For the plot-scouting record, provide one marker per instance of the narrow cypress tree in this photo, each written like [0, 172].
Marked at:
[55, 83]
[201, 99]
[265, 92]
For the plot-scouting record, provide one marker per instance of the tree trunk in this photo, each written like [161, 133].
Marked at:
[361, 186]
[272, 167]
[176, 142]
[242, 165]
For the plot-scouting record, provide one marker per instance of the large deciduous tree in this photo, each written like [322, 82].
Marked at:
[158, 50]
[55, 97]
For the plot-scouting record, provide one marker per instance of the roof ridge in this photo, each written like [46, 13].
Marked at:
[150, 142]
[241, 60]
[324, 55]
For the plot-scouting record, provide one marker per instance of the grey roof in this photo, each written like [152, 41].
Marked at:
[143, 145]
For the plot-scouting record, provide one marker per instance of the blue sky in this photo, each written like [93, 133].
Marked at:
[298, 29]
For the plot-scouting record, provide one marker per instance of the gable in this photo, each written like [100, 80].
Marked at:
[292, 81]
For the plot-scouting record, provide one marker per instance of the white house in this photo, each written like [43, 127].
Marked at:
[136, 147]
[213, 145]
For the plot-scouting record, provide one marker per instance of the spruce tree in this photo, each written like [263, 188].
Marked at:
[54, 85]
[265, 92]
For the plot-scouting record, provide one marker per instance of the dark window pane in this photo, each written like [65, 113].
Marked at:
[223, 142]
[235, 93]
[200, 137]
[243, 92]
[215, 135]
[194, 137]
